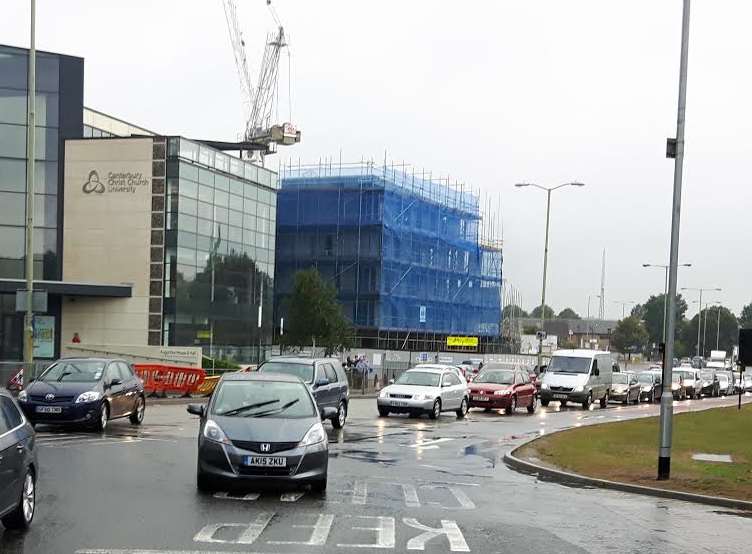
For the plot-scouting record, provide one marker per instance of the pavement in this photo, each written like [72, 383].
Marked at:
[396, 484]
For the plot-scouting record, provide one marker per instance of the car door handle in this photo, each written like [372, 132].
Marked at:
[20, 447]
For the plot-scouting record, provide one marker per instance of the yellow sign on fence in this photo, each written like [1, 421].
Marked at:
[467, 342]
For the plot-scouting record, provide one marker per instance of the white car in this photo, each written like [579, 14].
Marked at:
[457, 370]
[425, 390]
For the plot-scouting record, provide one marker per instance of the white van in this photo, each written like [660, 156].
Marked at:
[581, 376]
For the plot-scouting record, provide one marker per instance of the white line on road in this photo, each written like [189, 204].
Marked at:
[226, 496]
[291, 496]
[425, 444]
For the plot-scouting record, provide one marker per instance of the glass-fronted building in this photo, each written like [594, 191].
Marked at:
[219, 260]
[59, 106]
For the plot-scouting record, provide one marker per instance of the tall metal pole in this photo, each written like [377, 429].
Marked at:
[704, 332]
[543, 293]
[718, 329]
[699, 324]
[664, 452]
[665, 305]
[30, 157]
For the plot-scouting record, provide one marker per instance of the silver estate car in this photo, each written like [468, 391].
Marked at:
[425, 391]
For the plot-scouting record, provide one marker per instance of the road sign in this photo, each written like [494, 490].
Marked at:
[38, 300]
[471, 342]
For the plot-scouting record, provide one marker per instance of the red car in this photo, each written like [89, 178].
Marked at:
[506, 389]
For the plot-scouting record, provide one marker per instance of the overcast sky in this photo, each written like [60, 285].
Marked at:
[490, 93]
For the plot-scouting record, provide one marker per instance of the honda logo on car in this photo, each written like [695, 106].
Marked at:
[266, 447]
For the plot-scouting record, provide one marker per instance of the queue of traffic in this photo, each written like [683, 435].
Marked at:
[267, 425]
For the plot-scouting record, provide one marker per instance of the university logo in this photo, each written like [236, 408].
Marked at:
[93, 184]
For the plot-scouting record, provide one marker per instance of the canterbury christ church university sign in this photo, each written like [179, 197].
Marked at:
[120, 182]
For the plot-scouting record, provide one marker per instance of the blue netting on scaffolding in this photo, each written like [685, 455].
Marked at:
[403, 251]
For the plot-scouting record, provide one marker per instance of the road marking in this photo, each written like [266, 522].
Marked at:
[448, 528]
[291, 496]
[248, 536]
[152, 551]
[360, 492]
[320, 533]
[429, 443]
[226, 496]
[464, 501]
[411, 496]
[385, 533]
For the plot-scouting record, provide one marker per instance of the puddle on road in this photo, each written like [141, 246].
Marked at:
[363, 456]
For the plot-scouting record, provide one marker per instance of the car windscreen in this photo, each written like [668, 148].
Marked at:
[689, 375]
[419, 378]
[498, 377]
[74, 371]
[707, 375]
[723, 378]
[621, 378]
[500, 366]
[569, 364]
[302, 370]
[262, 399]
[675, 377]
[644, 378]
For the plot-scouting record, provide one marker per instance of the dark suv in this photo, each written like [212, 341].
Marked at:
[18, 465]
[324, 376]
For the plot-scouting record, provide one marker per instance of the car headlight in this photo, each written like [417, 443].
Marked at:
[214, 432]
[383, 393]
[646, 388]
[544, 386]
[426, 397]
[674, 386]
[579, 388]
[502, 392]
[22, 396]
[314, 435]
[88, 396]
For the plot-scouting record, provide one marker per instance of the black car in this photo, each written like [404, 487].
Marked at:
[261, 428]
[650, 386]
[18, 465]
[88, 391]
[711, 386]
[324, 376]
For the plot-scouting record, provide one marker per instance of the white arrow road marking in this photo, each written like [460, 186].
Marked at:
[429, 443]
[226, 496]
[291, 496]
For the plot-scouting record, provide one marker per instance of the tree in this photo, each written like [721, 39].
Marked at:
[513, 310]
[651, 312]
[548, 311]
[727, 338]
[568, 313]
[630, 335]
[529, 330]
[314, 314]
[745, 319]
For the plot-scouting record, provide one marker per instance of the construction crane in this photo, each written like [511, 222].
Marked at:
[261, 134]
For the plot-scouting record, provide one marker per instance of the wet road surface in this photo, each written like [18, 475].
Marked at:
[396, 484]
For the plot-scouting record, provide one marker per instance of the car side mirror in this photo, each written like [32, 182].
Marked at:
[196, 409]
[596, 372]
[445, 385]
[321, 382]
[328, 413]
[391, 381]
[115, 381]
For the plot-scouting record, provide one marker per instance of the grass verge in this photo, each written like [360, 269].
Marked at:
[628, 452]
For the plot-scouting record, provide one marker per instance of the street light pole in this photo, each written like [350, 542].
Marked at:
[664, 452]
[699, 314]
[548, 190]
[623, 306]
[718, 329]
[30, 180]
[665, 292]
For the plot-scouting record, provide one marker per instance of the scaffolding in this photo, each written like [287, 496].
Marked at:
[409, 254]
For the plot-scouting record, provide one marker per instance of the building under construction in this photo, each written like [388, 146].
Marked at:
[413, 263]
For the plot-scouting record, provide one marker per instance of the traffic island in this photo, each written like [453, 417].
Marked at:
[623, 456]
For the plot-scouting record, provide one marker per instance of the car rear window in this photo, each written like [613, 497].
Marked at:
[302, 370]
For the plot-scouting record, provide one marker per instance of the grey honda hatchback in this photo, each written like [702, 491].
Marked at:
[261, 428]
[18, 465]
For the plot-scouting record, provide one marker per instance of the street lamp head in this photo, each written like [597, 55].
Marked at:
[577, 184]
[647, 265]
[522, 184]
[686, 265]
